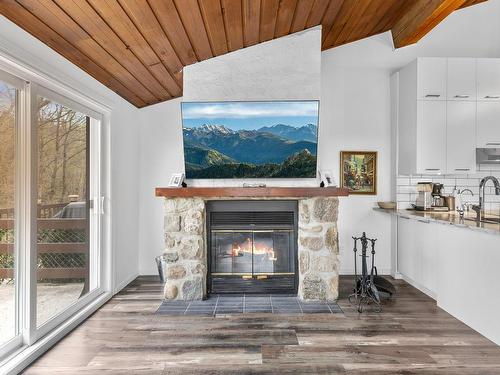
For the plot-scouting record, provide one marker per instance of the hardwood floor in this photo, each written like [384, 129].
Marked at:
[410, 336]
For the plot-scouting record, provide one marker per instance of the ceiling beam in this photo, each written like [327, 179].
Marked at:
[421, 18]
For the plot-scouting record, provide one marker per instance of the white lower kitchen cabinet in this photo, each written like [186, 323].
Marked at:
[467, 281]
[455, 266]
[417, 254]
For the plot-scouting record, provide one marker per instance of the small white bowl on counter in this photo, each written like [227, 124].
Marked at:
[387, 205]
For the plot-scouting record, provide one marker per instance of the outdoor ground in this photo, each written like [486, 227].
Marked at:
[52, 298]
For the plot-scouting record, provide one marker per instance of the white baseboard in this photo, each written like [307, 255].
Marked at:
[124, 283]
[419, 286]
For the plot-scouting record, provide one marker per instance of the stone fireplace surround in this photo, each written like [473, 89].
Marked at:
[186, 249]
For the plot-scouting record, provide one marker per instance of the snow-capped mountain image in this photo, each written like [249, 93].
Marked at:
[244, 145]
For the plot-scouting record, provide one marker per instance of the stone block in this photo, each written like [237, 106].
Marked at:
[332, 291]
[176, 272]
[332, 240]
[193, 222]
[304, 261]
[192, 289]
[171, 256]
[325, 209]
[172, 223]
[170, 291]
[311, 229]
[180, 205]
[304, 215]
[199, 269]
[313, 288]
[191, 248]
[170, 241]
[313, 242]
[324, 264]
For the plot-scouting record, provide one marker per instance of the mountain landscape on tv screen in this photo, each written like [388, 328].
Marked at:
[280, 151]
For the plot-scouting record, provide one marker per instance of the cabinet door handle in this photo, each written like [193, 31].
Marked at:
[462, 169]
[432, 169]
[493, 144]
[432, 95]
[492, 97]
[424, 221]
[461, 96]
[405, 217]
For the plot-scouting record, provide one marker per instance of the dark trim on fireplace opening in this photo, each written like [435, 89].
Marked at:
[275, 284]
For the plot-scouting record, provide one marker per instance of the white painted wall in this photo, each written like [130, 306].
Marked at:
[124, 145]
[287, 68]
[355, 114]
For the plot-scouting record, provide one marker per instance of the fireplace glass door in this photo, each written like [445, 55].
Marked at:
[252, 261]
[252, 253]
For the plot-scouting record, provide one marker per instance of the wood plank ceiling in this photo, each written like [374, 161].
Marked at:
[138, 48]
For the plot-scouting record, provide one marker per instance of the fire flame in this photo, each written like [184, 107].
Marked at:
[259, 248]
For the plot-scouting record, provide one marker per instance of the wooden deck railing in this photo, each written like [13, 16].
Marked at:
[43, 210]
[52, 248]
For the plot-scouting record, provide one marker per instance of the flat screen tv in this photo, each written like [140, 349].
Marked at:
[274, 139]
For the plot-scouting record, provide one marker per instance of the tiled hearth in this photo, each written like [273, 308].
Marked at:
[247, 304]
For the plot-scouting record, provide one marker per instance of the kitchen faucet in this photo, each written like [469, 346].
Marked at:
[480, 208]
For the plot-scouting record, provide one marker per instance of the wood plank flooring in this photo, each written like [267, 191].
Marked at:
[410, 336]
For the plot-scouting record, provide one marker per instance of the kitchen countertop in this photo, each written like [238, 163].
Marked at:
[445, 218]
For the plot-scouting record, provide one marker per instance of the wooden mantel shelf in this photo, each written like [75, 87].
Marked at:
[241, 192]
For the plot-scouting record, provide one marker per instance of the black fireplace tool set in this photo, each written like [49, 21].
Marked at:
[369, 288]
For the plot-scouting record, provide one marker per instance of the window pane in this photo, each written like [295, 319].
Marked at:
[7, 178]
[63, 209]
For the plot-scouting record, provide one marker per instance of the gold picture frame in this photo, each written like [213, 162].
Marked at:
[358, 172]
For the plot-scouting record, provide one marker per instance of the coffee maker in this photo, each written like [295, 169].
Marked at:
[437, 195]
[424, 198]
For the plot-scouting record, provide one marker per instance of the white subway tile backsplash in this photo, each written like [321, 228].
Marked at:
[406, 186]
[403, 181]
[407, 189]
[403, 197]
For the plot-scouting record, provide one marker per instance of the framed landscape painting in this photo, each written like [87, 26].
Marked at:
[358, 172]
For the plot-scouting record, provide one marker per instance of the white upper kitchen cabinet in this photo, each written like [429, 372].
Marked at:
[461, 82]
[460, 137]
[431, 137]
[488, 124]
[431, 78]
[422, 123]
[488, 79]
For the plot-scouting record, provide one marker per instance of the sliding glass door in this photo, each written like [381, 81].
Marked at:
[50, 210]
[67, 221]
[63, 209]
